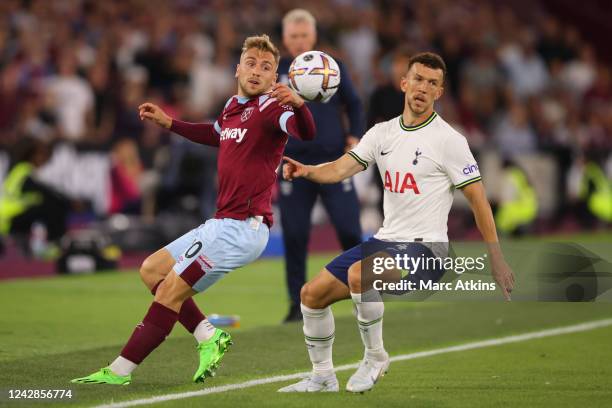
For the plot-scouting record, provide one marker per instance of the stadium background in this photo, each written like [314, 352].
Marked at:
[527, 80]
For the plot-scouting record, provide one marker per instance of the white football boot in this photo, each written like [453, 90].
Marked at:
[314, 383]
[367, 374]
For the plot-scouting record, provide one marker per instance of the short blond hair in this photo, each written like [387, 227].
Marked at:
[299, 16]
[262, 43]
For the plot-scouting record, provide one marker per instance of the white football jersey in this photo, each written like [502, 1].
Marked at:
[420, 167]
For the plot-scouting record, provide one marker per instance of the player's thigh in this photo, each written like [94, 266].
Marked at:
[178, 247]
[360, 281]
[221, 245]
[323, 290]
[156, 266]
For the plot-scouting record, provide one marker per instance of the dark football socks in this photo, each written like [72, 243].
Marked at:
[150, 333]
[189, 315]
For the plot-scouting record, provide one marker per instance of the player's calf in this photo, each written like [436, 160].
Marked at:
[370, 310]
[173, 291]
[319, 331]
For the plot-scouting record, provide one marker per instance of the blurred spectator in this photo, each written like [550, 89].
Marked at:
[517, 207]
[359, 43]
[594, 191]
[514, 135]
[579, 74]
[600, 94]
[133, 91]
[126, 172]
[387, 101]
[72, 98]
[520, 79]
[551, 45]
[28, 205]
[526, 69]
[10, 102]
[481, 71]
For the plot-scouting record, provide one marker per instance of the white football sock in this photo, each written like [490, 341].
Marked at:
[122, 366]
[204, 331]
[370, 320]
[319, 332]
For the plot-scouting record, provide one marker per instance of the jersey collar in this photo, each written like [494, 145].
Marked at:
[420, 125]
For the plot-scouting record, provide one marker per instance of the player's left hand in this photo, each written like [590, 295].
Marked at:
[503, 275]
[286, 96]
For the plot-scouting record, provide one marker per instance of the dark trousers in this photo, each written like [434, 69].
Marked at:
[52, 212]
[296, 200]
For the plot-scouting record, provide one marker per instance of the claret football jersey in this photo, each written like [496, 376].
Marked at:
[252, 136]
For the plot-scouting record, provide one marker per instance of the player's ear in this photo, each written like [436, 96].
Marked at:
[237, 68]
[440, 89]
[439, 92]
[404, 83]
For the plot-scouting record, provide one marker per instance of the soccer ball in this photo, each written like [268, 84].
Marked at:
[315, 76]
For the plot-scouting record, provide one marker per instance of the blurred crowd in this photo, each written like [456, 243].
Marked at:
[519, 81]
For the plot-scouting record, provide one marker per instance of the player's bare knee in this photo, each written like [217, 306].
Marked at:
[305, 294]
[354, 277]
[147, 272]
[310, 296]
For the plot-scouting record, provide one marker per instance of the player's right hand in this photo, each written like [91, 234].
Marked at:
[293, 169]
[503, 275]
[155, 114]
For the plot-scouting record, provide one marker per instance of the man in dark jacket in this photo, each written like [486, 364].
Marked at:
[297, 199]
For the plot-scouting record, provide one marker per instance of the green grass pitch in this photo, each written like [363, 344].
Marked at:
[52, 330]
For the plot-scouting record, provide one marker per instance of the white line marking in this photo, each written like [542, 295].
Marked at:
[281, 378]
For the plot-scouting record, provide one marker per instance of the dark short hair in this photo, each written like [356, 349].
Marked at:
[429, 59]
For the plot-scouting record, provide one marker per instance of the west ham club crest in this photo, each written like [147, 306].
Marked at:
[246, 114]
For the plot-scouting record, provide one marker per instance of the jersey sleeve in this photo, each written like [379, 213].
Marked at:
[218, 125]
[367, 148]
[459, 163]
[275, 114]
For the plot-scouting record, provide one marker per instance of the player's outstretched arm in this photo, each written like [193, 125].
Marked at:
[152, 112]
[201, 133]
[326, 173]
[475, 194]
